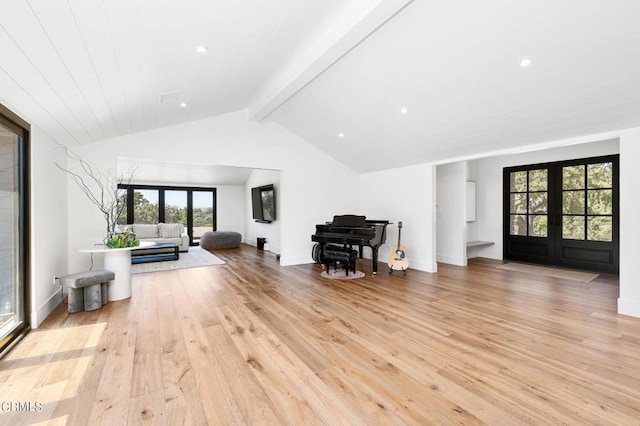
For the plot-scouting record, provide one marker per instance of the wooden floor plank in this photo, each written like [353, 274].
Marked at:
[252, 342]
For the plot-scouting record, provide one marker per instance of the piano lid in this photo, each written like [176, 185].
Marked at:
[350, 220]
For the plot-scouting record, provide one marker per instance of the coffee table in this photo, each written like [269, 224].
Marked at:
[155, 253]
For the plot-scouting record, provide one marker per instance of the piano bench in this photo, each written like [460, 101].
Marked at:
[335, 254]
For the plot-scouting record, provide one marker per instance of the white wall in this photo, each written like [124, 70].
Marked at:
[49, 232]
[472, 175]
[314, 186]
[404, 194]
[489, 197]
[270, 231]
[230, 208]
[451, 201]
[629, 301]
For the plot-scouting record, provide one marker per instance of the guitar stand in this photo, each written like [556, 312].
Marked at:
[404, 271]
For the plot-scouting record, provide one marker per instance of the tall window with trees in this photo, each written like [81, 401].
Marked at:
[195, 208]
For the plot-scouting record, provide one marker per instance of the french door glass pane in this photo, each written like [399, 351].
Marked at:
[145, 206]
[538, 180]
[573, 227]
[11, 291]
[518, 224]
[573, 177]
[518, 203]
[175, 207]
[599, 228]
[202, 213]
[600, 175]
[538, 225]
[518, 182]
[538, 202]
[600, 201]
[573, 202]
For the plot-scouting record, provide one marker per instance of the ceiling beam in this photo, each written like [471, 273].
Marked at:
[338, 39]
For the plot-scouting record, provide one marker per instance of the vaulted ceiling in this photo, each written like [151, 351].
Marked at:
[375, 83]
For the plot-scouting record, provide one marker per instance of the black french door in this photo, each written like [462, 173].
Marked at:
[563, 213]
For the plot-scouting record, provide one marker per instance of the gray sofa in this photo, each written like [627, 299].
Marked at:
[161, 233]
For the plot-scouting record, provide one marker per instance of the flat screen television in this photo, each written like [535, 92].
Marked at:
[263, 203]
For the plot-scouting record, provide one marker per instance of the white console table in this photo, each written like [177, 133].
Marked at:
[118, 261]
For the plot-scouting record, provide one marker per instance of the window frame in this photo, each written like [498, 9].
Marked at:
[131, 188]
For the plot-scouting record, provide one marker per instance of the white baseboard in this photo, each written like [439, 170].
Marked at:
[295, 260]
[452, 260]
[46, 308]
[423, 266]
[629, 307]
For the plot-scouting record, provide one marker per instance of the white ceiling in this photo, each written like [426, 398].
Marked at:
[152, 172]
[88, 70]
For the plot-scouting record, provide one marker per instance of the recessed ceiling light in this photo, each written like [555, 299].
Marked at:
[341, 135]
[201, 49]
[403, 110]
[525, 62]
[183, 104]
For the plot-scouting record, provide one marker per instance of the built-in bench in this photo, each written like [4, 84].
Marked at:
[473, 244]
[87, 291]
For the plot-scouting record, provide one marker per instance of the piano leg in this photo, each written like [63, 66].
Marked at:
[374, 256]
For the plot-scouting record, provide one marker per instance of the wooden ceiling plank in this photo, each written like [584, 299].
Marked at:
[58, 23]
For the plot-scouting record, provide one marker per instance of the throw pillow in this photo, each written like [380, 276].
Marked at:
[145, 231]
[170, 230]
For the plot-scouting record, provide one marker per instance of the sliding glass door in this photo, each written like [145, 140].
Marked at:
[203, 207]
[13, 231]
[194, 208]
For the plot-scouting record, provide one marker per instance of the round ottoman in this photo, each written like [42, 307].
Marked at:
[211, 240]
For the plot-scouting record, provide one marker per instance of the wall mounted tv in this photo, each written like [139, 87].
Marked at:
[263, 203]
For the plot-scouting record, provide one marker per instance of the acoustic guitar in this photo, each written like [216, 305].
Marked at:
[398, 260]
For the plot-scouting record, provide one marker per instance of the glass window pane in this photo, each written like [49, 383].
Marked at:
[538, 225]
[573, 177]
[202, 213]
[600, 201]
[518, 224]
[518, 181]
[538, 202]
[538, 180]
[175, 207]
[573, 227]
[145, 206]
[518, 203]
[599, 228]
[600, 175]
[11, 312]
[122, 207]
[572, 202]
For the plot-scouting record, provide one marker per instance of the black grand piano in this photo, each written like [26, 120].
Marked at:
[353, 230]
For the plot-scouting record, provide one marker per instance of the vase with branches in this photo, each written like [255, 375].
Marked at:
[101, 188]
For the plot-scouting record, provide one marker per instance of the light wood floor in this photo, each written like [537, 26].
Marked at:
[251, 342]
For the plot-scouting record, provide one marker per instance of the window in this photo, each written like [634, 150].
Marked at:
[528, 201]
[14, 227]
[195, 208]
[587, 202]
